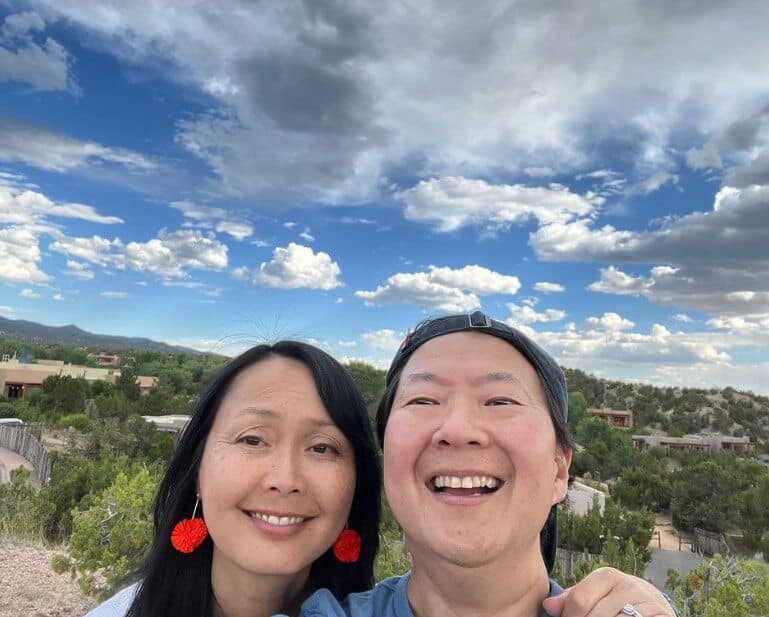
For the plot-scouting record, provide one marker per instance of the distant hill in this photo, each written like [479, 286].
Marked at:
[31, 332]
[678, 410]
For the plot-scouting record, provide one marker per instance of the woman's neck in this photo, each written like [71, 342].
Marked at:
[238, 593]
[515, 588]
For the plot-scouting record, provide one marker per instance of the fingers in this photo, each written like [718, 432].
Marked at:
[604, 592]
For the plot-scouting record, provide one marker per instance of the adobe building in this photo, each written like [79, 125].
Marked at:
[700, 443]
[19, 379]
[615, 417]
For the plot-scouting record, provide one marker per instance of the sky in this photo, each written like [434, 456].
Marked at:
[218, 174]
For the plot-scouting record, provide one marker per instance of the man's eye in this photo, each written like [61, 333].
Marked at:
[421, 400]
[251, 440]
[501, 400]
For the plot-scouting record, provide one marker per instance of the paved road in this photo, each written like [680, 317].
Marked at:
[681, 561]
[9, 461]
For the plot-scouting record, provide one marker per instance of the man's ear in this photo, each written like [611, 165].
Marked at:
[562, 464]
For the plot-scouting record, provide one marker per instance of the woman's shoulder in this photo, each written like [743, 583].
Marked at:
[386, 599]
[117, 605]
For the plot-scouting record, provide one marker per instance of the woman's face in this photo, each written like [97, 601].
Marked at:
[277, 477]
[471, 464]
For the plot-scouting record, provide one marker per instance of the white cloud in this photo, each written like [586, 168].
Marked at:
[23, 207]
[114, 295]
[306, 235]
[58, 297]
[384, 85]
[539, 172]
[96, 250]
[682, 317]
[442, 288]
[450, 203]
[293, 267]
[289, 224]
[78, 270]
[171, 253]
[347, 343]
[714, 261]
[212, 217]
[526, 315]
[45, 66]
[6, 311]
[19, 256]
[29, 293]
[548, 288]
[735, 324]
[608, 322]
[386, 340]
[238, 230]
[40, 147]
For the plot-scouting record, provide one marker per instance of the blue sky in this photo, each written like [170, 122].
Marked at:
[214, 174]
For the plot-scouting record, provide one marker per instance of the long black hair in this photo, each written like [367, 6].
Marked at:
[175, 585]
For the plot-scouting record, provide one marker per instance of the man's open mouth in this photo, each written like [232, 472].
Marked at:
[465, 485]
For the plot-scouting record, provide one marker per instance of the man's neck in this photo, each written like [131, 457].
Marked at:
[512, 589]
[238, 593]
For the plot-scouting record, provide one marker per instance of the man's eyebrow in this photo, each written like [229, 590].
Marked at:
[500, 376]
[424, 378]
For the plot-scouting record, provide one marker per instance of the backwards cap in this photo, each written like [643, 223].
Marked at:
[550, 375]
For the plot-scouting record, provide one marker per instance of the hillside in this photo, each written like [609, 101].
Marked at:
[31, 332]
[679, 410]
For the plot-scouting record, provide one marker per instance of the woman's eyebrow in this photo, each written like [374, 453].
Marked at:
[271, 415]
[255, 411]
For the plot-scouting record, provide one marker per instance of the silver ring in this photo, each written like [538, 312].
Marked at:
[631, 610]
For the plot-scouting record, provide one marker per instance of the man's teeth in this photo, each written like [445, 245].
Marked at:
[277, 520]
[465, 482]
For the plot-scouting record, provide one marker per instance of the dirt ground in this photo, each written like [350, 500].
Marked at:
[668, 536]
[29, 588]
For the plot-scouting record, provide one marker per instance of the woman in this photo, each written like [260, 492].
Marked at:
[476, 459]
[280, 461]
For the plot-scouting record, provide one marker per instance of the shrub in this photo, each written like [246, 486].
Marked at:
[78, 421]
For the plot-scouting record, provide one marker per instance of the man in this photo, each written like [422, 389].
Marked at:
[476, 458]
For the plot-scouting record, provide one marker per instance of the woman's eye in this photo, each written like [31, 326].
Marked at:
[251, 440]
[324, 448]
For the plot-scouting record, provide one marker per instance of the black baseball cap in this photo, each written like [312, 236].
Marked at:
[550, 375]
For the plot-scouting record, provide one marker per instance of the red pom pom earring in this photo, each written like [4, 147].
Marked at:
[347, 546]
[189, 533]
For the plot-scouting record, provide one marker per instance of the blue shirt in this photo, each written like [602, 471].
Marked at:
[386, 599]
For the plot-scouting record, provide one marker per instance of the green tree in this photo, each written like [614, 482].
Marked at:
[577, 409]
[112, 535]
[126, 382]
[637, 488]
[754, 512]
[62, 394]
[370, 381]
[724, 587]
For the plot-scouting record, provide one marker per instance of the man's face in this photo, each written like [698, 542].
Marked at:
[471, 464]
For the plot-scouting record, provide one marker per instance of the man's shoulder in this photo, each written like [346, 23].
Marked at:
[117, 605]
[386, 599]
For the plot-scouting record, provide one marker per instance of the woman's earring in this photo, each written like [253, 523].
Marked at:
[189, 533]
[347, 546]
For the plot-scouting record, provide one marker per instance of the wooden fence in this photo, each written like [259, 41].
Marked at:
[566, 562]
[26, 445]
[709, 543]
